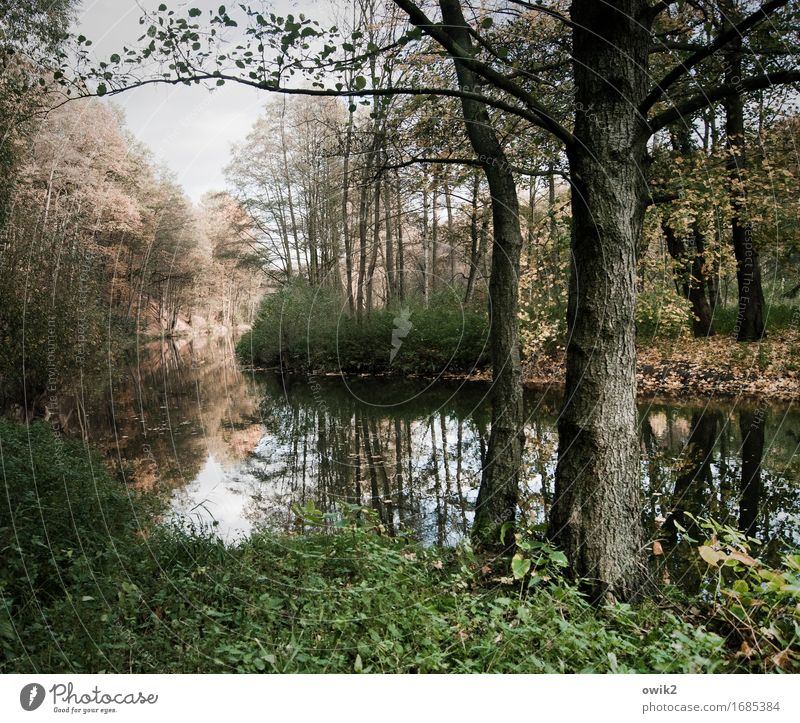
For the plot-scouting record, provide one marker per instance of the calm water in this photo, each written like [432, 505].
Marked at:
[238, 450]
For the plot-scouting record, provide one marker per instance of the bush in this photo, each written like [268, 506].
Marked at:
[305, 328]
[63, 521]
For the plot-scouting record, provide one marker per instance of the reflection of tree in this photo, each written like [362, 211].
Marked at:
[751, 426]
[695, 479]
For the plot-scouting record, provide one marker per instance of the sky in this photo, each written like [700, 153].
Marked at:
[188, 129]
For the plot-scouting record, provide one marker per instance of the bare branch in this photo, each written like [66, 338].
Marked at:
[705, 98]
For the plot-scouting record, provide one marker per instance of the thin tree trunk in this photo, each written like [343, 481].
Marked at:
[499, 489]
[473, 238]
[401, 254]
[348, 242]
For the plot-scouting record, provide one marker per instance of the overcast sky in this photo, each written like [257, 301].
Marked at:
[188, 128]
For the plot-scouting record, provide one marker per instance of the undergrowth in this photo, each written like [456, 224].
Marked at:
[95, 585]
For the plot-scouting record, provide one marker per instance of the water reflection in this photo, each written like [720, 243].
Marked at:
[240, 450]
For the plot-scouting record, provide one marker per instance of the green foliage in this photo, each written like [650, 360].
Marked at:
[303, 327]
[85, 589]
[756, 605]
[63, 521]
[661, 313]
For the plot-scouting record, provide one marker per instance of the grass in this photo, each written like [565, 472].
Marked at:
[91, 584]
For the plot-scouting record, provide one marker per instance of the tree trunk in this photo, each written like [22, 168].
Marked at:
[596, 513]
[401, 254]
[348, 242]
[473, 237]
[750, 319]
[499, 489]
[690, 278]
[389, 261]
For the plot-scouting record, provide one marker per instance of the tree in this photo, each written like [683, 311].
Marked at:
[595, 515]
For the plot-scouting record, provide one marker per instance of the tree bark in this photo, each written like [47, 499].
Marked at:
[690, 277]
[750, 319]
[596, 514]
[499, 488]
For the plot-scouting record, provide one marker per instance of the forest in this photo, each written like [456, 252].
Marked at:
[483, 357]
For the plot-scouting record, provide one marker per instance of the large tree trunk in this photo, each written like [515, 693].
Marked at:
[750, 319]
[499, 489]
[596, 514]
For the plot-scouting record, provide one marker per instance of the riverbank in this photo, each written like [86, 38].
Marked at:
[96, 584]
[670, 369]
[706, 368]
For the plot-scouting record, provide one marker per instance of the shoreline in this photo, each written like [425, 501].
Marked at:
[714, 368]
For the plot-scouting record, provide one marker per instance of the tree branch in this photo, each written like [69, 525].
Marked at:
[705, 98]
[199, 77]
[474, 162]
[438, 32]
[732, 33]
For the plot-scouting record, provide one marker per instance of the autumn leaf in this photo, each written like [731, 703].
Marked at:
[742, 557]
[657, 549]
[710, 555]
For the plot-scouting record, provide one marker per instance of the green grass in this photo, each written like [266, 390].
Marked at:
[90, 584]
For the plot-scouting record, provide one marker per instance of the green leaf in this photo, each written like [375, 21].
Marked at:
[358, 666]
[559, 558]
[520, 566]
[115, 58]
[194, 12]
[741, 587]
[101, 89]
[360, 82]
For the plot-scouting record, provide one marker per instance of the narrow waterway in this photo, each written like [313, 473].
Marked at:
[238, 451]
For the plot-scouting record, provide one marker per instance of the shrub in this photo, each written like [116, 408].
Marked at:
[305, 328]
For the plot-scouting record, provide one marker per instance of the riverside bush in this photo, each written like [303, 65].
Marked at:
[306, 328]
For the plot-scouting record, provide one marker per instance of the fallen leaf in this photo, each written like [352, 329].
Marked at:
[657, 549]
[745, 651]
[781, 659]
[437, 565]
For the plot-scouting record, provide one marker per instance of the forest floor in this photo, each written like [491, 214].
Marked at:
[717, 366]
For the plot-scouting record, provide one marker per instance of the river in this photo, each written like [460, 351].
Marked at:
[235, 451]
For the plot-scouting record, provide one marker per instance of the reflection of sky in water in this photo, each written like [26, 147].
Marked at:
[234, 499]
[432, 493]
